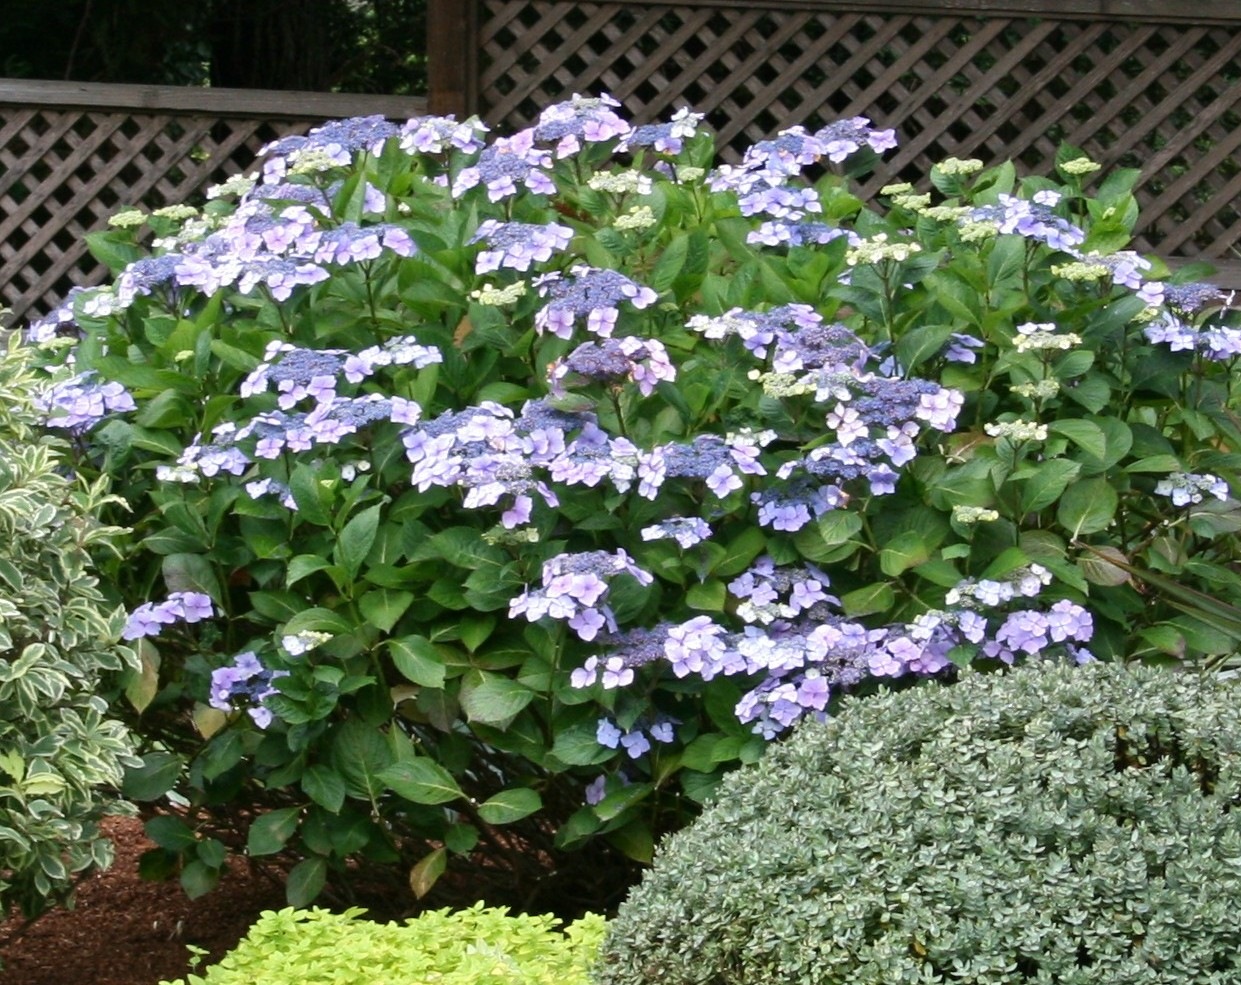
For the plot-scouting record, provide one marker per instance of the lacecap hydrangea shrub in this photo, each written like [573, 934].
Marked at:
[474, 946]
[62, 750]
[494, 496]
[1048, 824]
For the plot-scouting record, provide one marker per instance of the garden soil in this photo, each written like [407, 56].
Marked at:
[126, 931]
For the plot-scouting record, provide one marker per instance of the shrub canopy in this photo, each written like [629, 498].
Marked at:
[62, 751]
[538, 480]
[1051, 824]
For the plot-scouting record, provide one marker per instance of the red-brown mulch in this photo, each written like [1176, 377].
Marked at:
[126, 931]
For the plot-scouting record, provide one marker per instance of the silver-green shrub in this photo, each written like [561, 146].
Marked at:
[1054, 824]
[61, 754]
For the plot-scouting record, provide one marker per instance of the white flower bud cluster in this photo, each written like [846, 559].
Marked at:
[957, 166]
[1041, 336]
[971, 232]
[1080, 165]
[621, 182]
[1017, 430]
[639, 217]
[1040, 390]
[877, 249]
[974, 514]
[178, 213]
[127, 219]
[491, 295]
[238, 184]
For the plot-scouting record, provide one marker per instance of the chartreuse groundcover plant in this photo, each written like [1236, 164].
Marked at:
[1047, 824]
[62, 750]
[475, 946]
[494, 497]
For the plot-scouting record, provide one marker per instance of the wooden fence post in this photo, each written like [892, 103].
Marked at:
[452, 53]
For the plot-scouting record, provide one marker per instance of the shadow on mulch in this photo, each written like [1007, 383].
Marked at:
[126, 931]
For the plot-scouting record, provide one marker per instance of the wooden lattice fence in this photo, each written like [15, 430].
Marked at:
[1154, 84]
[71, 154]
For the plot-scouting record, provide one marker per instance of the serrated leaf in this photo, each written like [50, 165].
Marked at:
[1047, 484]
[492, 699]
[905, 551]
[421, 781]
[871, 600]
[578, 745]
[510, 805]
[143, 684]
[169, 832]
[270, 832]
[198, 879]
[306, 881]
[418, 660]
[383, 607]
[354, 542]
[739, 552]
[157, 774]
[324, 786]
[1103, 567]
[1156, 463]
[1087, 507]
[707, 597]
[1085, 434]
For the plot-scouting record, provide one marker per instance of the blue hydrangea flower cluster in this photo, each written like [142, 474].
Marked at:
[150, 618]
[79, 403]
[1215, 342]
[636, 741]
[685, 530]
[575, 589]
[643, 362]
[1035, 219]
[517, 245]
[580, 119]
[589, 293]
[804, 650]
[663, 138]
[245, 683]
[1186, 488]
[505, 164]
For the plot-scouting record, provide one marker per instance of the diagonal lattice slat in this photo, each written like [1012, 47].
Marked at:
[62, 173]
[69, 162]
[1164, 98]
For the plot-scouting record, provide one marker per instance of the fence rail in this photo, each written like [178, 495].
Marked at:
[72, 153]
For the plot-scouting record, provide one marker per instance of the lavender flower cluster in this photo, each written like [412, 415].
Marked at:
[636, 741]
[1034, 218]
[805, 650]
[643, 362]
[875, 418]
[79, 403]
[245, 682]
[1186, 488]
[590, 293]
[575, 589]
[517, 245]
[150, 618]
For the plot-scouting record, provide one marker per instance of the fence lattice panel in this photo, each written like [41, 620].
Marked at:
[64, 169]
[1163, 97]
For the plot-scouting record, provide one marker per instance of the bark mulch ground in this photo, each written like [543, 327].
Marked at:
[126, 931]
